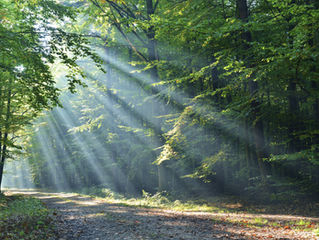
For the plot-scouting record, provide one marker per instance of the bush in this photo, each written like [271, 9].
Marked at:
[157, 198]
[100, 192]
[273, 189]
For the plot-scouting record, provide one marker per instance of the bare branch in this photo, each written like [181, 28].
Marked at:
[155, 6]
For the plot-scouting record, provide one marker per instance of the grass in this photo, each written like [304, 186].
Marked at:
[158, 200]
[260, 221]
[24, 218]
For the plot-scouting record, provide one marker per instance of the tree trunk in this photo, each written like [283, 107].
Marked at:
[293, 110]
[1, 163]
[162, 178]
[5, 135]
[1, 173]
[315, 87]
[152, 57]
[151, 42]
[258, 128]
[247, 146]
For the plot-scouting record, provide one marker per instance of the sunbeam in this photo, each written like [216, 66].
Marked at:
[107, 106]
[55, 170]
[17, 175]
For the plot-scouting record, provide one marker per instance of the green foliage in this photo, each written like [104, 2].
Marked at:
[162, 200]
[24, 218]
[30, 45]
[197, 98]
[100, 192]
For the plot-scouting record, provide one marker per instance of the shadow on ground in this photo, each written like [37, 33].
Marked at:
[81, 217]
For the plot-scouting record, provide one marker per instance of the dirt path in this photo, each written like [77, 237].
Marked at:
[86, 218]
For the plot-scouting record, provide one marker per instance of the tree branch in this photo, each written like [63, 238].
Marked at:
[117, 25]
[155, 6]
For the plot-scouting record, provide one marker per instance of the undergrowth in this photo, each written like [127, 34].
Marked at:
[24, 218]
[220, 204]
[216, 205]
[158, 200]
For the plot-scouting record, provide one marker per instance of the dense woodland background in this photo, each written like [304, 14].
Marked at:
[198, 97]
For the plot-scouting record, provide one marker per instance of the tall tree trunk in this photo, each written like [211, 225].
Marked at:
[162, 178]
[152, 57]
[293, 109]
[151, 42]
[247, 147]
[6, 133]
[315, 87]
[258, 128]
[1, 111]
[1, 171]
[316, 103]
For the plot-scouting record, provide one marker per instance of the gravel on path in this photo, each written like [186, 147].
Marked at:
[85, 218]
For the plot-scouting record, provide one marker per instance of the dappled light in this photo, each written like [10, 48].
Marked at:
[120, 219]
[159, 119]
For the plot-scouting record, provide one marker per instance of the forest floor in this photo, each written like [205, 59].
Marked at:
[81, 217]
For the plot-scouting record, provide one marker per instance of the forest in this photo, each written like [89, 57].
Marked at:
[177, 96]
[188, 98]
[173, 103]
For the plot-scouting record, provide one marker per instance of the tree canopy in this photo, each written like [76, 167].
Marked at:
[30, 44]
[198, 96]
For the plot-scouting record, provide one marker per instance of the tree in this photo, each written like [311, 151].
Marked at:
[237, 82]
[30, 44]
